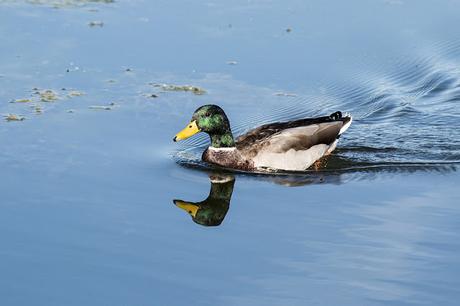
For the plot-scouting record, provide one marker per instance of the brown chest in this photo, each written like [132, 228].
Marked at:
[228, 158]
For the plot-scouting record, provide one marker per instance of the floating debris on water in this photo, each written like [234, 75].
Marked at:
[26, 100]
[288, 30]
[151, 96]
[75, 93]
[13, 117]
[285, 94]
[47, 95]
[35, 104]
[232, 63]
[169, 87]
[102, 107]
[71, 111]
[74, 68]
[96, 23]
[128, 70]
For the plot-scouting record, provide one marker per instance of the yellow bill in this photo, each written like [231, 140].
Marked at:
[190, 130]
[192, 209]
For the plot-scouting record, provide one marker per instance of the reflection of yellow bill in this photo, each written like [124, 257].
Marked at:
[192, 209]
[190, 130]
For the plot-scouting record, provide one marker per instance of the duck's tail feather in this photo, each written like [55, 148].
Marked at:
[346, 119]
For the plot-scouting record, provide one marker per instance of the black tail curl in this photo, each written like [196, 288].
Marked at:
[336, 115]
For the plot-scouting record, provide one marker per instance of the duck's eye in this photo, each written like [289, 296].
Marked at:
[208, 114]
[190, 126]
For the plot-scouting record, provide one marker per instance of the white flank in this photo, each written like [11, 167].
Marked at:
[291, 160]
[332, 147]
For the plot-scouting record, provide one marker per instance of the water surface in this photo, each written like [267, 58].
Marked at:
[88, 180]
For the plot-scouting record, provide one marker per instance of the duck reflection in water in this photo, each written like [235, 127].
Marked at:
[211, 211]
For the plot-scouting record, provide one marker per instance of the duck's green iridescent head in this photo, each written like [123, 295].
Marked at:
[212, 120]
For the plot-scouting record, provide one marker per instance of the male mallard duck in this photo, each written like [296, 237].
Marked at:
[293, 145]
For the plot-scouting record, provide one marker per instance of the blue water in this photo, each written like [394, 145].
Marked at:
[88, 181]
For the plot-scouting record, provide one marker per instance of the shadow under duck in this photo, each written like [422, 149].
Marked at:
[292, 146]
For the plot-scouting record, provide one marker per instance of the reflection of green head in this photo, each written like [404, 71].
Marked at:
[212, 211]
[212, 120]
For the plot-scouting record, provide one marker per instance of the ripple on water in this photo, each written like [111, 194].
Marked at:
[407, 120]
